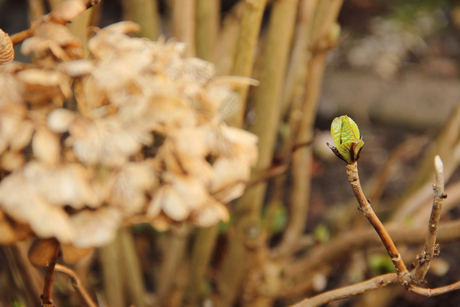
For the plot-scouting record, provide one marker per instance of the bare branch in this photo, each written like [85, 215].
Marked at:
[418, 274]
[47, 288]
[350, 291]
[435, 291]
[365, 207]
[76, 283]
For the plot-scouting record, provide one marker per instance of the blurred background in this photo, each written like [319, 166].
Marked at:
[395, 70]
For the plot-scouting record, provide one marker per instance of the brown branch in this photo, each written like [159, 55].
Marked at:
[23, 35]
[268, 174]
[418, 274]
[436, 291]
[353, 290]
[47, 288]
[357, 239]
[76, 283]
[365, 207]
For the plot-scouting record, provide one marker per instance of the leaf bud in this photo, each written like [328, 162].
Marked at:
[347, 139]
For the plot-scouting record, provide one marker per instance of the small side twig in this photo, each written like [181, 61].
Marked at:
[268, 174]
[436, 291]
[353, 290]
[76, 283]
[365, 207]
[418, 274]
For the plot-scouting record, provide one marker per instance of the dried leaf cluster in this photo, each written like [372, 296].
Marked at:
[133, 134]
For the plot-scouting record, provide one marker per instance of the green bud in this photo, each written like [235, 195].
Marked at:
[347, 139]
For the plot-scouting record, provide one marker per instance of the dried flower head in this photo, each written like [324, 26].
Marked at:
[134, 134]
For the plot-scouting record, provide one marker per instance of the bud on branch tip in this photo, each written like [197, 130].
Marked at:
[347, 139]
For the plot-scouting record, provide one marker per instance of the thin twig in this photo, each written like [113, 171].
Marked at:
[268, 174]
[365, 207]
[355, 240]
[353, 290]
[76, 283]
[47, 288]
[436, 291]
[418, 274]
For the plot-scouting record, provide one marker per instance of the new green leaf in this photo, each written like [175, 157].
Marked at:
[347, 138]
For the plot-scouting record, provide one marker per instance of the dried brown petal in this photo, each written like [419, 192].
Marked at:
[12, 232]
[76, 68]
[211, 214]
[12, 160]
[19, 200]
[229, 178]
[23, 136]
[171, 203]
[6, 49]
[42, 252]
[127, 188]
[69, 184]
[95, 228]
[102, 141]
[67, 11]
[46, 146]
[56, 33]
[60, 120]
[72, 254]
[192, 191]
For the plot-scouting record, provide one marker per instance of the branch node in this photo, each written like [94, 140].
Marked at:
[437, 250]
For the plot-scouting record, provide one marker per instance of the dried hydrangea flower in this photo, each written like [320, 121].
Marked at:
[135, 133]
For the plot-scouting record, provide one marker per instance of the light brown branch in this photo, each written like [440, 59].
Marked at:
[76, 283]
[207, 27]
[365, 207]
[436, 291]
[418, 274]
[357, 239]
[183, 24]
[350, 291]
[22, 36]
[144, 13]
[268, 174]
[47, 288]
[244, 54]
[202, 249]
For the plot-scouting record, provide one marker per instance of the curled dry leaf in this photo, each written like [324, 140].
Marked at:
[12, 231]
[72, 254]
[64, 185]
[42, 252]
[128, 188]
[213, 213]
[46, 146]
[60, 120]
[6, 49]
[96, 228]
[102, 141]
